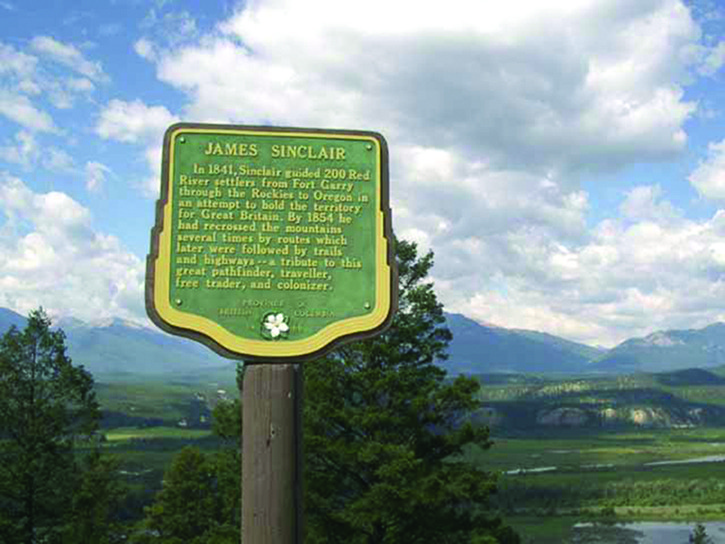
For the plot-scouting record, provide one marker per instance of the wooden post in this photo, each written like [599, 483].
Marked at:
[271, 454]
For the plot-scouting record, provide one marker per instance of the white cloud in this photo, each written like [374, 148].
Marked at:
[474, 199]
[18, 80]
[69, 56]
[133, 122]
[23, 151]
[572, 86]
[27, 75]
[709, 177]
[62, 92]
[96, 175]
[80, 84]
[145, 49]
[650, 269]
[713, 60]
[17, 62]
[644, 203]
[170, 28]
[50, 255]
[150, 186]
[57, 160]
[494, 112]
[28, 86]
[18, 108]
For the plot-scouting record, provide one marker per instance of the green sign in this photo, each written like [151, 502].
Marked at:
[270, 243]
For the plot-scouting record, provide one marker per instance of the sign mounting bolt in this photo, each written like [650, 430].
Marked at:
[370, 147]
[182, 139]
[367, 305]
[178, 302]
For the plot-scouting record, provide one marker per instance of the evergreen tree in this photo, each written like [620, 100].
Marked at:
[227, 424]
[199, 502]
[96, 503]
[214, 481]
[383, 434]
[384, 429]
[227, 417]
[45, 404]
[699, 535]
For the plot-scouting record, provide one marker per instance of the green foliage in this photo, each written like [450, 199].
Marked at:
[699, 535]
[95, 503]
[227, 421]
[45, 404]
[384, 430]
[199, 502]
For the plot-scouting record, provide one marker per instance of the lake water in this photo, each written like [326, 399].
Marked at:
[529, 470]
[643, 533]
[706, 459]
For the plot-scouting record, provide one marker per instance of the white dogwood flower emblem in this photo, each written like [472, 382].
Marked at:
[275, 324]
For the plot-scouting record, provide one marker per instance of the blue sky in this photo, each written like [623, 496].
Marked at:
[565, 161]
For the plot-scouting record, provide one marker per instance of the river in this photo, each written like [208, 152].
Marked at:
[644, 532]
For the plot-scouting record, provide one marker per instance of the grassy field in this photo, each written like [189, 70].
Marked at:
[145, 453]
[158, 403]
[543, 529]
[593, 474]
[572, 449]
[606, 475]
[551, 478]
[595, 389]
[126, 434]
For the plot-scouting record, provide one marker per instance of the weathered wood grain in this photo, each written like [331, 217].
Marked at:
[271, 485]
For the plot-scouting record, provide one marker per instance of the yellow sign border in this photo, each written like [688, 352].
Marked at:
[265, 348]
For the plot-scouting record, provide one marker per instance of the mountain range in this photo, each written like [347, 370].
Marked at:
[665, 351]
[483, 348]
[478, 348]
[117, 349]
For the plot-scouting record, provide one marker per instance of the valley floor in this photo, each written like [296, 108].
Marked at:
[550, 485]
[551, 481]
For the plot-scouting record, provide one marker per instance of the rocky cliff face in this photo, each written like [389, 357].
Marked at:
[563, 417]
[598, 417]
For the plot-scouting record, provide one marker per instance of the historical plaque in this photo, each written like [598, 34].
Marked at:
[272, 244]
